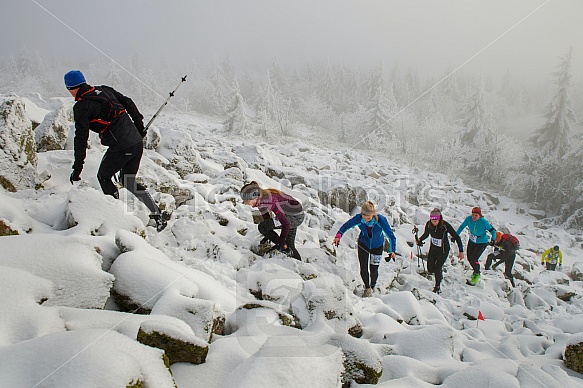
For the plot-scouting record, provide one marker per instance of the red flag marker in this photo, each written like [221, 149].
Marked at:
[480, 316]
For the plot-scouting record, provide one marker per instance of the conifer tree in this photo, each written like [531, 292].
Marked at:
[553, 138]
[238, 120]
[474, 117]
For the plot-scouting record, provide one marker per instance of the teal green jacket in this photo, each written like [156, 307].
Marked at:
[478, 230]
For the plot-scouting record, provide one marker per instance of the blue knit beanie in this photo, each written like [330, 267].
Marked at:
[74, 79]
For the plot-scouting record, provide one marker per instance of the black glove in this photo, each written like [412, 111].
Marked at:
[75, 176]
[420, 243]
[492, 243]
[141, 130]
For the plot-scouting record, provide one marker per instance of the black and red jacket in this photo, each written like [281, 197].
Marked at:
[112, 115]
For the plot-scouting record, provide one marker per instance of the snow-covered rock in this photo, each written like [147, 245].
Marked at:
[18, 159]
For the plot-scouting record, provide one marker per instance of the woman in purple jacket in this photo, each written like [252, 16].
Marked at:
[371, 240]
[287, 210]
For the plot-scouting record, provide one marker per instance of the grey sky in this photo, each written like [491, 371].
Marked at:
[431, 36]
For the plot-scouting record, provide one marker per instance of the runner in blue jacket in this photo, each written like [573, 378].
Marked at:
[373, 229]
[478, 228]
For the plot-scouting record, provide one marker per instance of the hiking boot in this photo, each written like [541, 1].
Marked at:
[475, 278]
[367, 292]
[161, 220]
[264, 240]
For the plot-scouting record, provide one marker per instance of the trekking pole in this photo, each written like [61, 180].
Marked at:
[415, 231]
[171, 94]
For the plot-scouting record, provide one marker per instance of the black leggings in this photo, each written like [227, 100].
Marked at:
[364, 260]
[266, 228]
[435, 260]
[127, 162]
[474, 253]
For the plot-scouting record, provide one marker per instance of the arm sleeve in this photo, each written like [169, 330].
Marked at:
[492, 231]
[132, 110]
[455, 235]
[389, 233]
[543, 258]
[82, 113]
[285, 225]
[462, 227]
[560, 258]
[351, 223]
[425, 233]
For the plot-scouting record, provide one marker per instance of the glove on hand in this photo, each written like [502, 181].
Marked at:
[492, 243]
[141, 130]
[420, 243]
[75, 176]
[282, 248]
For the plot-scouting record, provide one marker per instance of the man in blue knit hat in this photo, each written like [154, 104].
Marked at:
[120, 126]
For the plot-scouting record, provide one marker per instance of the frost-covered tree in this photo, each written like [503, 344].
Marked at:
[383, 108]
[238, 121]
[375, 81]
[266, 99]
[553, 139]
[222, 91]
[356, 126]
[313, 111]
[279, 78]
[283, 115]
[474, 116]
[327, 87]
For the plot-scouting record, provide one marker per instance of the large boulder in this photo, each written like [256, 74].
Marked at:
[343, 197]
[326, 296]
[577, 271]
[72, 264]
[53, 132]
[573, 355]
[178, 345]
[362, 362]
[203, 316]
[83, 358]
[18, 159]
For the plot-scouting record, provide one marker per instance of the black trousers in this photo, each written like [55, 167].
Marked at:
[474, 253]
[435, 260]
[492, 258]
[551, 267]
[508, 264]
[266, 228]
[127, 162]
[364, 254]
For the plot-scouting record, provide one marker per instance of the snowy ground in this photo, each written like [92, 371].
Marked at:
[57, 274]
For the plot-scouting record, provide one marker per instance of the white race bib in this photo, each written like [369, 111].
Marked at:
[553, 261]
[436, 241]
[473, 238]
[375, 259]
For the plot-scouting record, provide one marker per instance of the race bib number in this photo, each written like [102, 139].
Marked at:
[276, 223]
[436, 241]
[553, 261]
[473, 238]
[375, 259]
